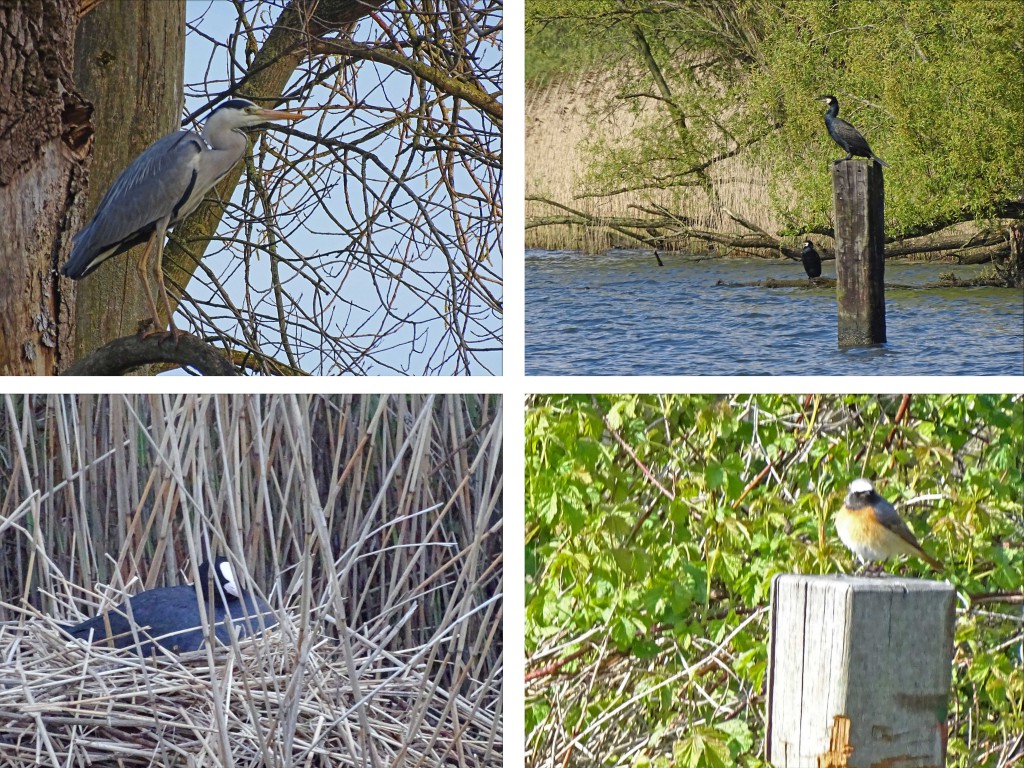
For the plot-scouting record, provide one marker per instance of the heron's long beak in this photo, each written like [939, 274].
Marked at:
[280, 114]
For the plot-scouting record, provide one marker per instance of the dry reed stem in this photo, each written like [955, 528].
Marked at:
[374, 524]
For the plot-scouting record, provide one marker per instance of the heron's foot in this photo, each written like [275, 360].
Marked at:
[149, 328]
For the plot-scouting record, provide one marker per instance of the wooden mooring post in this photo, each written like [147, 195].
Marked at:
[859, 671]
[858, 199]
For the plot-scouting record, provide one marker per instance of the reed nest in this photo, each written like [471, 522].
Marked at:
[371, 525]
[69, 703]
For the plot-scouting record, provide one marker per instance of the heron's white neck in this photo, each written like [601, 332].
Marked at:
[224, 137]
[227, 146]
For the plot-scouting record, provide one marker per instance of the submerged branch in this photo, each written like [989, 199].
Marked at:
[661, 229]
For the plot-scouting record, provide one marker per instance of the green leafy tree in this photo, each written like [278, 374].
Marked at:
[934, 85]
[655, 523]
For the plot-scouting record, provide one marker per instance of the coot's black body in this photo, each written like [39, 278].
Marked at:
[811, 260]
[170, 617]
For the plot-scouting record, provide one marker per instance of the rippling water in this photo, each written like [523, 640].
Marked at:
[621, 314]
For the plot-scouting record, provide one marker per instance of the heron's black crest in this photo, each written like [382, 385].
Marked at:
[233, 104]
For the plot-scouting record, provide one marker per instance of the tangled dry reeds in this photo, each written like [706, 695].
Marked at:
[252, 704]
[372, 525]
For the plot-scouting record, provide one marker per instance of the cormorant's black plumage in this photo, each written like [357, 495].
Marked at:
[845, 135]
[811, 260]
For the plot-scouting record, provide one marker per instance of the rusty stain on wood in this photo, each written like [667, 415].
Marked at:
[838, 744]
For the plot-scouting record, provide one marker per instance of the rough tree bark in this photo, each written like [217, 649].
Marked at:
[129, 63]
[42, 142]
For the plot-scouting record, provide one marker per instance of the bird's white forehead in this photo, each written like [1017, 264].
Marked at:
[861, 485]
[227, 573]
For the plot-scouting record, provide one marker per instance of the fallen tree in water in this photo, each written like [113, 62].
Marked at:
[996, 242]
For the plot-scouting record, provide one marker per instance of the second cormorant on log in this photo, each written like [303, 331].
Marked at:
[811, 260]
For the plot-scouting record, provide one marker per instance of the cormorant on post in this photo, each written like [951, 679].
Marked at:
[845, 135]
[811, 260]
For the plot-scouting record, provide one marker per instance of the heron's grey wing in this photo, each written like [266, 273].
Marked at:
[153, 187]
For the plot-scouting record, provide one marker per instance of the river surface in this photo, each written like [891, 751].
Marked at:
[620, 314]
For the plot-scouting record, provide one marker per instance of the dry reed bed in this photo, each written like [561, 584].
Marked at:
[372, 525]
[562, 117]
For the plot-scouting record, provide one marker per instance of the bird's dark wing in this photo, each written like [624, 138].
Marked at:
[855, 143]
[83, 629]
[95, 629]
[887, 515]
[153, 187]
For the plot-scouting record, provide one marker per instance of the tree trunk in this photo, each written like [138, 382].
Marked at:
[41, 143]
[129, 62]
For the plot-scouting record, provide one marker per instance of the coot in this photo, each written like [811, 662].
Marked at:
[170, 617]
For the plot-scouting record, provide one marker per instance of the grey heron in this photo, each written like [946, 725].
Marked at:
[161, 187]
[844, 134]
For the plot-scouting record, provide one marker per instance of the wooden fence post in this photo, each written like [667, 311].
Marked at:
[859, 671]
[858, 198]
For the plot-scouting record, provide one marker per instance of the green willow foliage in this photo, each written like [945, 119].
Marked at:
[934, 85]
[568, 37]
[654, 524]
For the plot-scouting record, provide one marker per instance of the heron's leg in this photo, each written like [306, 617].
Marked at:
[161, 231]
[142, 268]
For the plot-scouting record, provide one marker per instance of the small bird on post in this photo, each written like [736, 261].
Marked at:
[845, 135]
[873, 530]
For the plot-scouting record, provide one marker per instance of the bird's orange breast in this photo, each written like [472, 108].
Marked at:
[869, 539]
